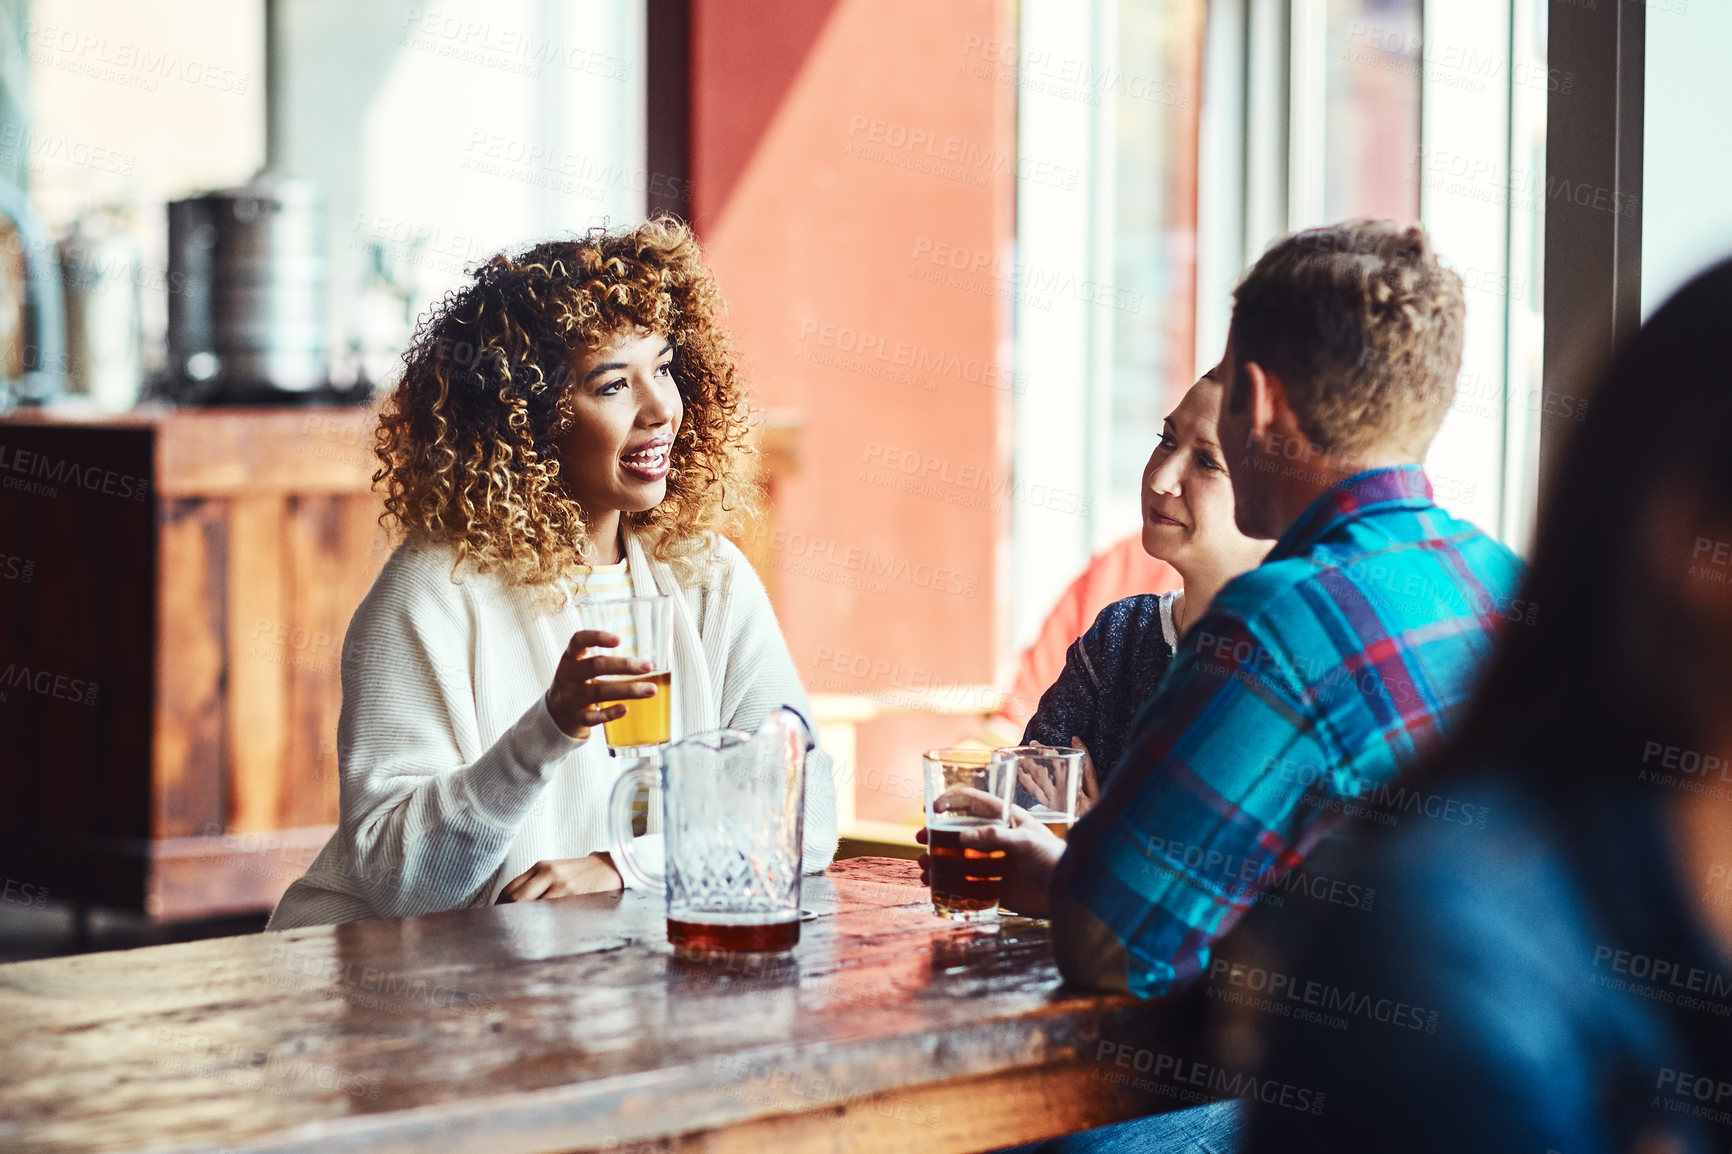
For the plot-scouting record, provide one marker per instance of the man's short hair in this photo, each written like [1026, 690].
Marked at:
[1363, 325]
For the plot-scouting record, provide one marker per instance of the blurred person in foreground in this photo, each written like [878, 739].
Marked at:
[1319, 675]
[1572, 959]
[1113, 668]
[568, 428]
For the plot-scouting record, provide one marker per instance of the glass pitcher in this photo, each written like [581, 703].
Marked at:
[733, 810]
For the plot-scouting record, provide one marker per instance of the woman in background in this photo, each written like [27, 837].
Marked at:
[567, 428]
[1111, 670]
[1556, 972]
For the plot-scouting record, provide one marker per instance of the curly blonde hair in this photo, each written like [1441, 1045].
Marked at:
[468, 437]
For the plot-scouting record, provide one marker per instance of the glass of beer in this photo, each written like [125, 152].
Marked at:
[965, 789]
[1047, 780]
[642, 625]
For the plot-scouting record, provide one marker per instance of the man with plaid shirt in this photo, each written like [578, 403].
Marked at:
[1317, 678]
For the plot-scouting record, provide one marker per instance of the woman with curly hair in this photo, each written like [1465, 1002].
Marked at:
[568, 427]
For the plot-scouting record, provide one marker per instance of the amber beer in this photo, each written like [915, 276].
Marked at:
[1058, 823]
[701, 939]
[964, 881]
[647, 720]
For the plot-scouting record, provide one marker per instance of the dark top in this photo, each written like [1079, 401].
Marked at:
[1109, 672]
[1533, 983]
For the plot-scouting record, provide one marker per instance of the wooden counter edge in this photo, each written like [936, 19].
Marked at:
[971, 1114]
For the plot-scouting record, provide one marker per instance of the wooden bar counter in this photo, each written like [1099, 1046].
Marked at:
[176, 584]
[569, 1025]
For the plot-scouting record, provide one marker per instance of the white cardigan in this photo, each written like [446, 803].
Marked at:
[455, 778]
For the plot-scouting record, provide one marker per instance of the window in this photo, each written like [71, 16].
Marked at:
[1273, 115]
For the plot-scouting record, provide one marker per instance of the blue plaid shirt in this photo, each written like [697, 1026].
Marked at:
[1312, 681]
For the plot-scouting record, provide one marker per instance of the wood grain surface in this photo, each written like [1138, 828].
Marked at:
[570, 1026]
[198, 568]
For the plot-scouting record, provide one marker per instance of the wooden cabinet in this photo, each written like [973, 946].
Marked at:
[174, 589]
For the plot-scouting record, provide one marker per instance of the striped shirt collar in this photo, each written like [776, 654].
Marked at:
[1374, 490]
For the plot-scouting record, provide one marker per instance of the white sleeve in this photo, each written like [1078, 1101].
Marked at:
[423, 830]
[759, 677]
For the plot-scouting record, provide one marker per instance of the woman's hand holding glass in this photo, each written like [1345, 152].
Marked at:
[1044, 791]
[576, 700]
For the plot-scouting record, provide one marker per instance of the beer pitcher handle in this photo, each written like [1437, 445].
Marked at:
[625, 858]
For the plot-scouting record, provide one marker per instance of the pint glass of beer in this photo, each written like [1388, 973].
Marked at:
[965, 789]
[1047, 780]
[642, 625]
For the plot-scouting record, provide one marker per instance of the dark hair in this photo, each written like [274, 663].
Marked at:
[1614, 659]
[1363, 325]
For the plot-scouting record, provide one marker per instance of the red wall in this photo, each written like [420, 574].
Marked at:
[853, 183]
